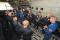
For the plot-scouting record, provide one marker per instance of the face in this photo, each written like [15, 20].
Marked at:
[9, 14]
[23, 9]
[15, 18]
[28, 8]
[52, 19]
[25, 23]
[30, 11]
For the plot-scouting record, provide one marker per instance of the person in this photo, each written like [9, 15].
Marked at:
[7, 27]
[38, 18]
[50, 28]
[31, 17]
[16, 28]
[26, 30]
[20, 14]
[15, 23]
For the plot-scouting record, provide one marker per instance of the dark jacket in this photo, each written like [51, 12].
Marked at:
[1, 32]
[26, 33]
[31, 18]
[16, 26]
[7, 28]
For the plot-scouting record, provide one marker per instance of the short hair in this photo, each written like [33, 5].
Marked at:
[14, 17]
[25, 20]
[54, 17]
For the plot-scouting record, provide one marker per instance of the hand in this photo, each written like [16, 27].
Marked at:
[45, 26]
[50, 30]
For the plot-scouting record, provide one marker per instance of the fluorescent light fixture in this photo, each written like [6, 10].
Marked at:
[5, 6]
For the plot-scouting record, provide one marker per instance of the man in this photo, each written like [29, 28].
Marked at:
[50, 28]
[7, 27]
[20, 14]
[26, 31]
[16, 28]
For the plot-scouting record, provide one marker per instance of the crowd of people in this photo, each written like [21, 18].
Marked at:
[16, 24]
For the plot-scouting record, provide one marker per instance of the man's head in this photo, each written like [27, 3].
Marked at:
[15, 18]
[25, 23]
[9, 13]
[53, 19]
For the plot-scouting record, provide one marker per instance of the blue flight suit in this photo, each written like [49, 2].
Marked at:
[48, 31]
[21, 16]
